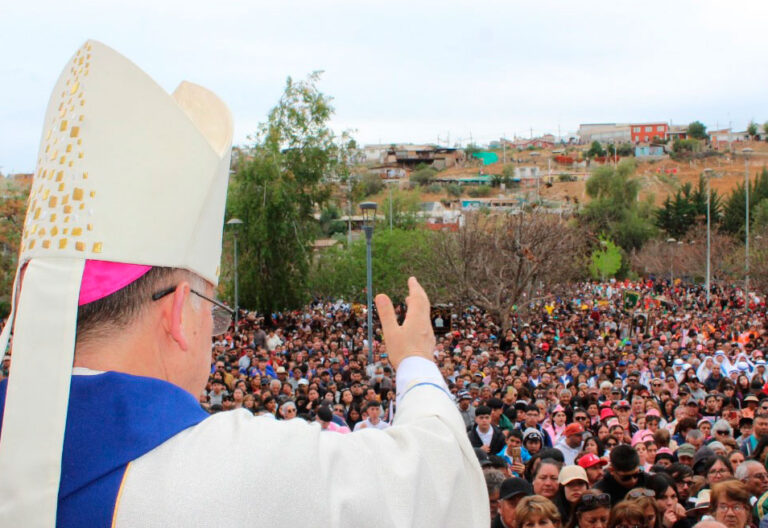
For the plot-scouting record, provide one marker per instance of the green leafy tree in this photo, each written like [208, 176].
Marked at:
[275, 191]
[687, 207]
[13, 206]
[340, 273]
[752, 129]
[605, 261]
[760, 213]
[596, 150]
[614, 210]
[453, 190]
[765, 130]
[423, 176]
[734, 209]
[697, 130]
[371, 184]
[405, 208]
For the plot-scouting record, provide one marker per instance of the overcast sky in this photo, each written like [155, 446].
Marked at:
[409, 71]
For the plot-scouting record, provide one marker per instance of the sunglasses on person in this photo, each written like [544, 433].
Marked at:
[610, 444]
[590, 501]
[629, 476]
[222, 314]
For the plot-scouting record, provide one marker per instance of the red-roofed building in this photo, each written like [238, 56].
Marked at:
[645, 132]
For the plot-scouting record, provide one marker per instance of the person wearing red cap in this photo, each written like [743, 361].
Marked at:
[570, 443]
[593, 465]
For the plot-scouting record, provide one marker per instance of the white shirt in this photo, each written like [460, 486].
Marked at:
[422, 467]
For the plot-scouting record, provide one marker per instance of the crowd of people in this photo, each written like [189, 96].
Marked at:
[620, 404]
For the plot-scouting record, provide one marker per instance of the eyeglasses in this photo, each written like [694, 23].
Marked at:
[581, 418]
[641, 492]
[736, 508]
[589, 501]
[718, 472]
[222, 314]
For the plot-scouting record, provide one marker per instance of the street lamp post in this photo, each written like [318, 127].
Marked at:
[707, 176]
[369, 216]
[236, 223]
[747, 151]
[671, 241]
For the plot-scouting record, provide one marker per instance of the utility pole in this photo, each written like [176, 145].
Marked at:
[504, 146]
[747, 151]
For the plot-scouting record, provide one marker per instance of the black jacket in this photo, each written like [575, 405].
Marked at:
[497, 522]
[612, 487]
[497, 440]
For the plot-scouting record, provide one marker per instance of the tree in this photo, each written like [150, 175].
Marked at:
[614, 211]
[734, 209]
[371, 184]
[605, 261]
[397, 255]
[697, 130]
[453, 190]
[689, 258]
[13, 207]
[596, 150]
[752, 129]
[765, 130]
[405, 208]
[275, 191]
[687, 207]
[760, 214]
[423, 176]
[499, 261]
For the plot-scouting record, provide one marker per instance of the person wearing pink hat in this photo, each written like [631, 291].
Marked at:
[664, 457]
[555, 424]
[638, 442]
[606, 413]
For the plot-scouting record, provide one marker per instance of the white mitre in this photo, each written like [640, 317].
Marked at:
[126, 173]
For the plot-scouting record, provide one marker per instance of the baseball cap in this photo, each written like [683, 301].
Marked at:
[531, 433]
[623, 404]
[571, 473]
[512, 487]
[589, 460]
[573, 429]
[686, 450]
[464, 395]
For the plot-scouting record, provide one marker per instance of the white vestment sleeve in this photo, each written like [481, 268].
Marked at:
[234, 470]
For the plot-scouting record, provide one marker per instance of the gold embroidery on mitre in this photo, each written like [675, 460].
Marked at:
[59, 168]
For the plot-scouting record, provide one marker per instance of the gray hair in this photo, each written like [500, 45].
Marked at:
[742, 472]
[493, 479]
[694, 434]
[722, 425]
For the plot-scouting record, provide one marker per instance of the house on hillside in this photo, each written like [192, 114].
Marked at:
[544, 142]
[721, 139]
[604, 133]
[677, 132]
[410, 156]
[374, 153]
[527, 173]
[439, 217]
[649, 151]
[647, 132]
